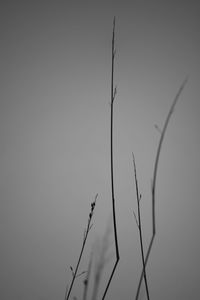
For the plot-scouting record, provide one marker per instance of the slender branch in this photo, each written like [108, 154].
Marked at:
[89, 226]
[140, 228]
[154, 179]
[113, 94]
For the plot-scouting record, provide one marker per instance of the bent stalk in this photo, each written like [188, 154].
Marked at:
[154, 180]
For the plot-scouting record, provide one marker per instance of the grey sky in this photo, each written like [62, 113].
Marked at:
[55, 61]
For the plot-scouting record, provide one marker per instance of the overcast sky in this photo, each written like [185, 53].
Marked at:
[55, 65]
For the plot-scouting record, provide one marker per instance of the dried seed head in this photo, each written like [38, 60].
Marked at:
[92, 206]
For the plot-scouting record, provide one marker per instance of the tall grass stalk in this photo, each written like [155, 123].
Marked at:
[113, 94]
[153, 188]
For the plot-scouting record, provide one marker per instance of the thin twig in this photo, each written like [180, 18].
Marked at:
[113, 94]
[74, 273]
[154, 180]
[139, 224]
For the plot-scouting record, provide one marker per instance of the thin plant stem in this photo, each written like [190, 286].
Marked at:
[154, 180]
[113, 94]
[89, 226]
[139, 224]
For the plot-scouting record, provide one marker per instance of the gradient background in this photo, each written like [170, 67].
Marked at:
[55, 63]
